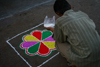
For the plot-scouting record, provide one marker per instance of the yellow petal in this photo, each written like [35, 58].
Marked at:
[30, 38]
[50, 45]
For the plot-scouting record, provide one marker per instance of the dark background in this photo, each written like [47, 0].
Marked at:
[15, 17]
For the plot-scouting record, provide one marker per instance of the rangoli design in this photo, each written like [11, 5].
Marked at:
[38, 43]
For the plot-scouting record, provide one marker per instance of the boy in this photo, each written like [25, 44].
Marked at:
[76, 37]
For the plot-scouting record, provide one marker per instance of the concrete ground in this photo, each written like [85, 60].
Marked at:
[25, 20]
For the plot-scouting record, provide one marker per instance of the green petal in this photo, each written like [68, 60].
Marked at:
[46, 34]
[34, 48]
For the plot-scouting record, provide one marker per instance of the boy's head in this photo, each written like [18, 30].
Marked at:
[60, 6]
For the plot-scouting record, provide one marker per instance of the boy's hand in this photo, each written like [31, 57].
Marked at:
[49, 28]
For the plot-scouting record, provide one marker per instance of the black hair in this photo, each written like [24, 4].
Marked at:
[61, 6]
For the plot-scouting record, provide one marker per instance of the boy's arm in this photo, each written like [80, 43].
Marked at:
[50, 29]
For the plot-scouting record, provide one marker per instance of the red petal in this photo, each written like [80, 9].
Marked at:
[37, 34]
[44, 50]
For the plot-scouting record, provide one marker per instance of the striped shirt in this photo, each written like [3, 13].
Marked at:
[84, 48]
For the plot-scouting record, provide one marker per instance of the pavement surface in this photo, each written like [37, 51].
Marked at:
[10, 7]
[22, 21]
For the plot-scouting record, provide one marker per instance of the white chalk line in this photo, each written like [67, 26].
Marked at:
[37, 5]
[25, 31]
[20, 55]
[27, 9]
[48, 60]
[17, 36]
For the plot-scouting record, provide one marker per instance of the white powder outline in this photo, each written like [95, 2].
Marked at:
[19, 53]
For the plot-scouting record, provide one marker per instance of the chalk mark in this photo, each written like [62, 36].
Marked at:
[48, 60]
[18, 52]
[25, 31]
[26, 9]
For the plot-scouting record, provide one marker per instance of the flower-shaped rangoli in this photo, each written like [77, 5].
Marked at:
[38, 43]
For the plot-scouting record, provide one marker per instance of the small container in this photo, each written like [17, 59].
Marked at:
[49, 22]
